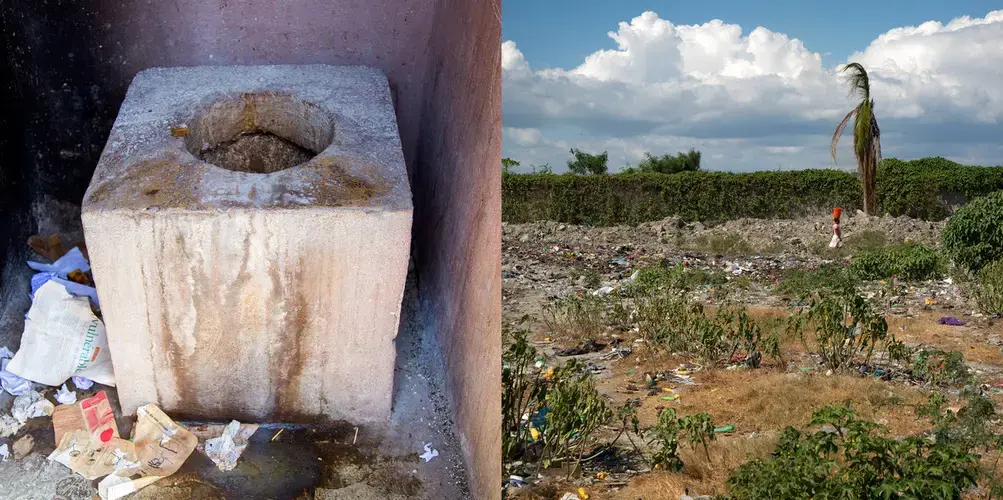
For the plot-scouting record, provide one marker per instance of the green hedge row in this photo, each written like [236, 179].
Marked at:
[928, 188]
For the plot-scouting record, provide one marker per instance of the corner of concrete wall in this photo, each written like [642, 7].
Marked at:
[457, 188]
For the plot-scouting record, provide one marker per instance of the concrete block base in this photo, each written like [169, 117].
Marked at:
[249, 230]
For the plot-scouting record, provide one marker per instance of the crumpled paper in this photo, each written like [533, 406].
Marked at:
[30, 404]
[82, 383]
[161, 447]
[226, 447]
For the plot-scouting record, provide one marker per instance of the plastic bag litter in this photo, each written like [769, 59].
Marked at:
[72, 261]
[430, 453]
[65, 396]
[75, 289]
[82, 383]
[14, 385]
[4, 452]
[62, 338]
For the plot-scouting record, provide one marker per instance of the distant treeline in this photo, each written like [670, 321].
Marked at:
[929, 188]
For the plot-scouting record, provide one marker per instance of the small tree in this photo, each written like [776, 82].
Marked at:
[585, 163]
[668, 164]
[508, 163]
[866, 134]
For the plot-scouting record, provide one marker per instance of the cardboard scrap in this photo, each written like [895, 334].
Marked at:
[91, 458]
[22, 447]
[161, 447]
[93, 415]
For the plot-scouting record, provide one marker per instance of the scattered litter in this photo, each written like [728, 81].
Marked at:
[951, 320]
[620, 261]
[930, 301]
[4, 452]
[583, 494]
[601, 475]
[9, 426]
[571, 496]
[669, 398]
[82, 383]
[276, 436]
[161, 447]
[92, 459]
[65, 396]
[430, 453]
[31, 404]
[73, 260]
[534, 433]
[616, 352]
[727, 428]
[585, 347]
[630, 371]
[62, 337]
[93, 415]
[14, 385]
[604, 291]
[517, 481]
[226, 444]
[22, 447]
[74, 288]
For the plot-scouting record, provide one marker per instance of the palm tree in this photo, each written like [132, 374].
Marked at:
[866, 134]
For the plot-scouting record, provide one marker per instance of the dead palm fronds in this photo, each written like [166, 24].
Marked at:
[866, 134]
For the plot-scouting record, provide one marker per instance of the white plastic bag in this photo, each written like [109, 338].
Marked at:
[62, 338]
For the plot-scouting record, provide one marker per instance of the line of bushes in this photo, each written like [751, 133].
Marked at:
[928, 188]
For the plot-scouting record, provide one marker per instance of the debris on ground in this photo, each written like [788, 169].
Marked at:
[23, 446]
[4, 452]
[73, 260]
[224, 444]
[50, 247]
[62, 338]
[586, 347]
[951, 320]
[65, 396]
[82, 383]
[14, 385]
[430, 453]
[161, 446]
[93, 415]
[29, 404]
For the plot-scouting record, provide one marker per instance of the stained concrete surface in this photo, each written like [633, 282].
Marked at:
[303, 461]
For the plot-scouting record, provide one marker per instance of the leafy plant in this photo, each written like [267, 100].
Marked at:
[988, 291]
[908, 261]
[507, 164]
[585, 163]
[973, 237]
[524, 391]
[941, 368]
[800, 283]
[576, 411]
[841, 326]
[663, 438]
[668, 164]
[927, 188]
[853, 458]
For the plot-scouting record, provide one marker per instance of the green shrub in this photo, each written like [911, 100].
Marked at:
[988, 291]
[853, 458]
[799, 283]
[523, 392]
[938, 367]
[926, 188]
[839, 327]
[911, 262]
[663, 438]
[974, 235]
[576, 412]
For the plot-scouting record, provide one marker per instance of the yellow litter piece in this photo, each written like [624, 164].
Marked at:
[582, 494]
[534, 433]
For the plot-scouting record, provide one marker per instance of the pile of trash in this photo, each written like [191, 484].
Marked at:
[64, 341]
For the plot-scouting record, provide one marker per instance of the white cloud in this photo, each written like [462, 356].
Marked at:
[744, 99]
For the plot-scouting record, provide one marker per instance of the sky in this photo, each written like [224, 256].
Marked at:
[752, 85]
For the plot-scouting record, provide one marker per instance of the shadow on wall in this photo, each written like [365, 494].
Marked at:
[69, 64]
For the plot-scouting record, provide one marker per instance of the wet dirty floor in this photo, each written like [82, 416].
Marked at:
[303, 462]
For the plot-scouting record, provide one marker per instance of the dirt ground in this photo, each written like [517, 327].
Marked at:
[544, 262]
